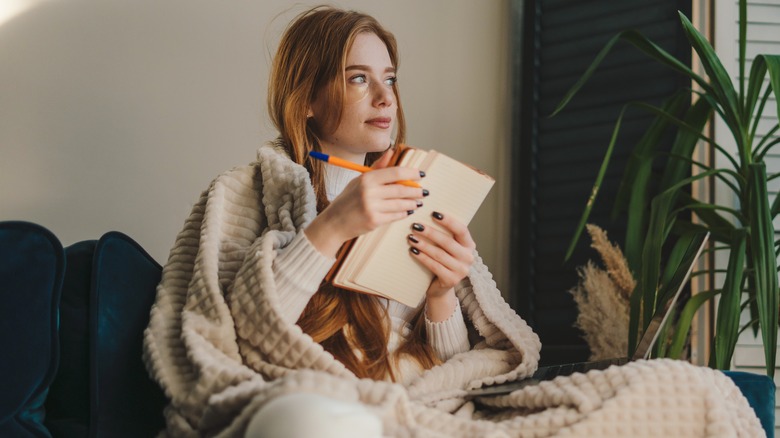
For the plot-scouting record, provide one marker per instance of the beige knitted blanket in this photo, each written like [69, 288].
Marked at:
[217, 345]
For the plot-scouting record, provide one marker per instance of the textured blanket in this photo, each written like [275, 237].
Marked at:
[219, 348]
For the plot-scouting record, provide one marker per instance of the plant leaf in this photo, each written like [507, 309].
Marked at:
[634, 191]
[773, 66]
[642, 43]
[595, 190]
[673, 260]
[645, 151]
[720, 228]
[644, 307]
[765, 263]
[729, 309]
[684, 322]
[720, 81]
[775, 206]
[742, 47]
[702, 206]
[685, 126]
[755, 82]
[685, 143]
[767, 147]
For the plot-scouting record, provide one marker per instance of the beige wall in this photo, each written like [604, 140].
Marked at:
[114, 115]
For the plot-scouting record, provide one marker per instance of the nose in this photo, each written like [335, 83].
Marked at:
[383, 95]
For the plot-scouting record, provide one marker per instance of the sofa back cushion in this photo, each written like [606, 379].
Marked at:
[124, 401]
[67, 407]
[32, 264]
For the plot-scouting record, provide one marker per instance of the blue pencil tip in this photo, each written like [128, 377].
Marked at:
[319, 155]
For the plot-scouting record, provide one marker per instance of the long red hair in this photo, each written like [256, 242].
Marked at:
[311, 58]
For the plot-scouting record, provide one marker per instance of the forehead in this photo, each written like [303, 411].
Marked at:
[368, 49]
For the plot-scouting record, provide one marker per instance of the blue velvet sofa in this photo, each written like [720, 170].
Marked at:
[71, 325]
[72, 321]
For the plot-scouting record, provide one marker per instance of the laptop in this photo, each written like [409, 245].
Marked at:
[644, 347]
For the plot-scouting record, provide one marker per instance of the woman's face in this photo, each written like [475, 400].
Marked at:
[370, 104]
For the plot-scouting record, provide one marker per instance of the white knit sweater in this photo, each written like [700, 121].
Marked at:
[220, 346]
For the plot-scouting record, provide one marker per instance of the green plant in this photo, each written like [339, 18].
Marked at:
[745, 232]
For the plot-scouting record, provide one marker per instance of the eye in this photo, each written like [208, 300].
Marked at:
[358, 79]
[391, 81]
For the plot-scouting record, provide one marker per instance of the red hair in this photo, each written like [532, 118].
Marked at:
[311, 58]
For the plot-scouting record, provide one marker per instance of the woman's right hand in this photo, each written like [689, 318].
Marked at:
[368, 202]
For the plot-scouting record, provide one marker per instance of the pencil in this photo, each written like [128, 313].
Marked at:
[336, 161]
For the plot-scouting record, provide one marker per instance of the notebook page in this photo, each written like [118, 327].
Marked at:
[455, 190]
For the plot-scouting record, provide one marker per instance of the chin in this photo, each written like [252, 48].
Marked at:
[379, 146]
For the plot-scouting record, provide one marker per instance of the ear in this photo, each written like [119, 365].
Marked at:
[309, 113]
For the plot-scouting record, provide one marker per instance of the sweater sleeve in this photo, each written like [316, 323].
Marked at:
[299, 269]
[448, 337]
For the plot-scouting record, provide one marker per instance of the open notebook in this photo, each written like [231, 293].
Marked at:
[379, 262]
[646, 343]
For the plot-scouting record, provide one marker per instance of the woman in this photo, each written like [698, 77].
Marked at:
[347, 107]
[243, 336]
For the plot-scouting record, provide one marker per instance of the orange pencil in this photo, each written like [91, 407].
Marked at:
[336, 161]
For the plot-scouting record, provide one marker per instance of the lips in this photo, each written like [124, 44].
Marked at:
[380, 122]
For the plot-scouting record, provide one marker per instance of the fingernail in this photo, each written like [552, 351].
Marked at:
[419, 204]
[437, 215]
[422, 174]
[414, 250]
[408, 212]
[418, 227]
[426, 192]
[413, 239]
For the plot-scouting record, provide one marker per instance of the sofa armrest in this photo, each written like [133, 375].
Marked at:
[760, 393]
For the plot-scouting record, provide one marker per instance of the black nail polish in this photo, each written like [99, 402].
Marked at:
[426, 192]
[419, 204]
[408, 212]
[437, 215]
[414, 250]
[413, 239]
[418, 227]
[422, 174]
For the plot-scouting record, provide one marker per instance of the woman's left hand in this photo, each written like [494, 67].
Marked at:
[448, 257]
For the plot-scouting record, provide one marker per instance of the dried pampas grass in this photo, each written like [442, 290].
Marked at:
[602, 296]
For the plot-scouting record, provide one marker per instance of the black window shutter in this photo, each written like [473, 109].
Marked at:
[555, 160]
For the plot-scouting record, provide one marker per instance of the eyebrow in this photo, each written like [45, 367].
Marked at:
[367, 68]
